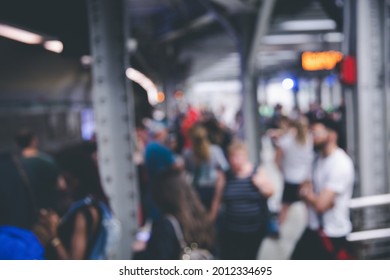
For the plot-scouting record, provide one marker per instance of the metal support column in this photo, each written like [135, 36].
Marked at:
[250, 80]
[349, 93]
[248, 43]
[371, 99]
[114, 114]
[319, 90]
[296, 100]
[386, 59]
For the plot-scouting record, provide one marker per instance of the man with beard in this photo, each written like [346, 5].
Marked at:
[327, 197]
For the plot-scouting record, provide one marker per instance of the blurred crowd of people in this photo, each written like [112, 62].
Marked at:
[200, 195]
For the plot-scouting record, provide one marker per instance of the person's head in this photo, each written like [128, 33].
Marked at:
[301, 125]
[238, 155]
[278, 108]
[25, 138]
[158, 131]
[80, 171]
[141, 132]
[325, 132]
[200, 143]
[284, 122]
[173, 195]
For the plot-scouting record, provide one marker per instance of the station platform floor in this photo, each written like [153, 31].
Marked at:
[290, 231]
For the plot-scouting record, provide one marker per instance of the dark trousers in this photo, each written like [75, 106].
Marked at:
[206, 195]
[241, 245]
[311, 247]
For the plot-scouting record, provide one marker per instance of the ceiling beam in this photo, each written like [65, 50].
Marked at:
[235, 6]
[196, 24]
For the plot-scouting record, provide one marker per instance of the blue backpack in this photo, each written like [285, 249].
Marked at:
[106, 239]
[19, 244]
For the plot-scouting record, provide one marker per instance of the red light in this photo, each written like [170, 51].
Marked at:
[348, 71]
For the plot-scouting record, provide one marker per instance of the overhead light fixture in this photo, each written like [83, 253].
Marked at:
[54, 46]
[288, 84]
[20, 35]
[161, 97]
[132, 45]
[86, 60]
[333, 37]
[289, 39]
[308, 25]
[145, 83]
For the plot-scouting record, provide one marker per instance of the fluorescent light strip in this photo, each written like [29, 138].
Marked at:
[308, 25]
[54, 46]
[296, 39]
[20, 35]
[145, 83]
[333, 37]
[289, 39]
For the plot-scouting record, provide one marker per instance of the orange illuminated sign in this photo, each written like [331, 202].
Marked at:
[315, 61]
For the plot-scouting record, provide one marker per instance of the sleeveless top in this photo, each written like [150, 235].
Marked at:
[245, 208]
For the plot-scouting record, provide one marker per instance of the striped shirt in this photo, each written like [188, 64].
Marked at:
[245, 208]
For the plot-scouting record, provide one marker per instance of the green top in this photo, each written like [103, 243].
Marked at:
[42, 173]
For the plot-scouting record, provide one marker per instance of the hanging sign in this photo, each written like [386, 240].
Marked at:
[317, 61]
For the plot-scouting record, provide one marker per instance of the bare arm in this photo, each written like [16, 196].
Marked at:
[279, 157]
[320, 202]
[215, 204]
[60, 249]
[263, 183]
[79, 241]
[47, 231]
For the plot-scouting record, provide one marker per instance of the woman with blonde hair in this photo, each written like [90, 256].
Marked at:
[245, 208]
[206, 164]
[294, 157]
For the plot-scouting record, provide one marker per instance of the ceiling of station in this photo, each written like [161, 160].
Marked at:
[178, 38]
[310, 29]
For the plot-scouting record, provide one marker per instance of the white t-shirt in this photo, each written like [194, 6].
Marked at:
[335, 172]
[297, 158]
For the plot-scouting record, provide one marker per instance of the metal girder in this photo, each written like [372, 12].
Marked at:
[372, 128]
[250, 81]
[235, 6]
[386, 59]
[223, 21]
[196, 24]
[349, 93]
[262, 25]
[114, 114]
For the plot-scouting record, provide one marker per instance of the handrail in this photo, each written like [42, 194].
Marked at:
[367, 201]
[369, 235]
